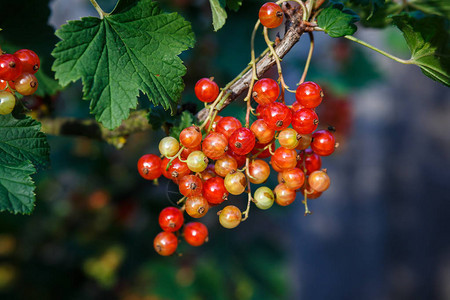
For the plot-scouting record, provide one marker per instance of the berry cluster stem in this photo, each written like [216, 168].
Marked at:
[249, 191]
[305, 202]
[308, 60]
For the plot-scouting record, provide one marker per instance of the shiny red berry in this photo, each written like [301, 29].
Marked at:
[323, 142]
[10, 67]
[305, 120]
[171, 219]
[262, 132]
[284, 158]
[214, 190]
[190, 185]
[242, 141]
[228, 125]
[149, 166]
[309, 94]
[191, 137]
[270, 15]
[309, 161]
[277, 116]
[165, 243]
[215, 145]
[206, 90]
[265, 91]
[195, 233]
[30, 60]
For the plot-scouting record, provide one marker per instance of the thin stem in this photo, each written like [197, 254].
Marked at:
[308, 60]
[277, 60]
[305, 201]
[249, 192]
[100, 11]
[254, 75]
[402, 61]
[171, 159]
[181, 200]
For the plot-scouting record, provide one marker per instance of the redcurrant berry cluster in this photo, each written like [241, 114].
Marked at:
[231, 157]
[222, 157]
[17, 75]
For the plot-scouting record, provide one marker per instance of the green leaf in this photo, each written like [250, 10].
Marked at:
[186, 120]
[428, 40]
[133, 49]
[218, 13]
[433, 7]
[27, 27]
[21, 140]
[234, 4]
[337, 21]
[17, 188]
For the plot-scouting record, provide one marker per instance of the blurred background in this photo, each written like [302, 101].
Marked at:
[381, 231]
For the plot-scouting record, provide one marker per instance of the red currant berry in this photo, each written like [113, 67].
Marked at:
[10, 67]
[214, 190]
[30, 60]
[149, 166]
[284, 158]
[319, 181]
[270, 15]
[195, 233]
[230, 216]
[309, 161]
[304, 141]
[277, 116]
[225, 165]
[227, 126]
[165, 243]
[235, 183]
[197, 161]
[242, 141]
[293, 179]
[215, 145]
[26, 84]
[196, 206]
[323, 142]
[191, 137]
[283, 195]
[262, 132]
[206, 90]
[171, 219]
[309, 94]
[289, 138]
[259, 171]
[7, 102]
[305, 120]
[178, 169]
[190, 185]
[265, 91]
